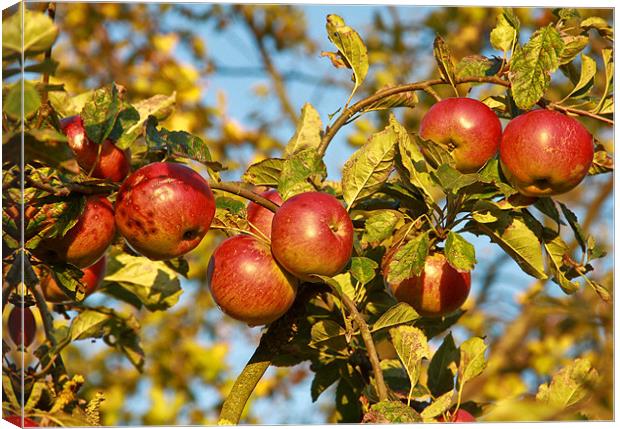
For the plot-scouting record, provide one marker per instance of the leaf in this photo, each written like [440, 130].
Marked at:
[328, 334]
[369, 167]
[472, 361]
[504, 35]
[380, 226]
[351, 47]
[600, 25]
[399, 314]
[158, 106]
[391, 412]
[155, 285]
[440, 372]
[12, 103]
[607, 54]
[39, 33]
[438, 406]
[572, 220]
[234, 206]
[411, 346]
[586, 78]
[44, 145]
[68, 278]
[603, 161]
[572, 46]
[409, 260]
[445, 64]
[348, 406]
[325, 376]
[531, 66]
[402, 99]
[477, 66]
[556, 251]
[264, 173]
[363, 269]
[300, 173]
[569, 385]
[518, 241]
[459, 252]
[308, 132]
[100, 112]
[451, 180]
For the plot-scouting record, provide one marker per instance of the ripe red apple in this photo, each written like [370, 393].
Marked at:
[17, 421]
[247, 283]
[544, 152]
[91, 279]
[164, 210]
[259, 217]
[312, 234]
[461, 416]
[439, 290]
[468, 126]
[113, 162]
[21, 337]
[87, 241]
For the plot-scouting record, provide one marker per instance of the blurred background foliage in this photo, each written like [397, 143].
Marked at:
[193, 353]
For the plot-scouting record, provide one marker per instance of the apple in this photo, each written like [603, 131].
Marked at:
[113, 163]
[26, 336]
[259, 217]
[87, 241]
[247, 283]
[440, 289]
[17, 421]
[469, 127]
[461, 416]
[91, 279]
[544, 153]
[312, 233]
[164, 209]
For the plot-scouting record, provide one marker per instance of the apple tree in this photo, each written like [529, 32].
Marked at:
[365, 278]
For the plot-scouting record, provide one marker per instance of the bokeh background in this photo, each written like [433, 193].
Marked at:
[241, 75]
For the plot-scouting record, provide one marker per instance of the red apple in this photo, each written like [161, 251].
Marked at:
[467, 126]
[439, 290]
[91, 279]
[461, 416]
[312, 234]
[17, 421]
[21, 337]
[544, 152]
[247, 283]
[259, 217]
[113, 162]
[87, 241]
[164, 210]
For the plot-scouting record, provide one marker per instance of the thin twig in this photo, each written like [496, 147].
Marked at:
[580, 112]
[237, 189]
[68, 188]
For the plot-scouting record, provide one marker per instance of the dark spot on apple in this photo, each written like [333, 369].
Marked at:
[153, 230]
[542, 183]
[190, 234]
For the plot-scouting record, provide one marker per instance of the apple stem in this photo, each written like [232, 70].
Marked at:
[370, 346]
[234, 188]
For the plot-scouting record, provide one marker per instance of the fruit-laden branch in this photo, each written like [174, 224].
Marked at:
[237, 189]
[370, 347]
[68, 188]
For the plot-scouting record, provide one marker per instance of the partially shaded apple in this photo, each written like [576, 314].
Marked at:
[247, 283]
[461, 416]
[22, 336]
[164, 210]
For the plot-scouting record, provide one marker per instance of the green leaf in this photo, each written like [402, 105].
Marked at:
[477, 66]
[391, 412]
[363, 269]
[459, 252]
[572, 220]
[411, 346]
[607, 54]
[234, 206]
[451, 180]
[409, 260]
[572, 46]
[155, 285]
[556, 251]
[443, 366]
[325, 376]
[445, 63]
[158, 106]
[308, 132]
[600, 25]
[380, 226]
[301, 173]
[264, 173]
[531, 66]
[399, 314]
[39, 33]
[100, 112]
[504, 35]
[12, 102]
[402, 99]
[569, 385]
[586, 78]
[68, 278]
[369, 167]
[438, 406]
[328, 334]
[351, 47]
[72, 209]
[518, 241]
[472, 361]
[348, 406]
